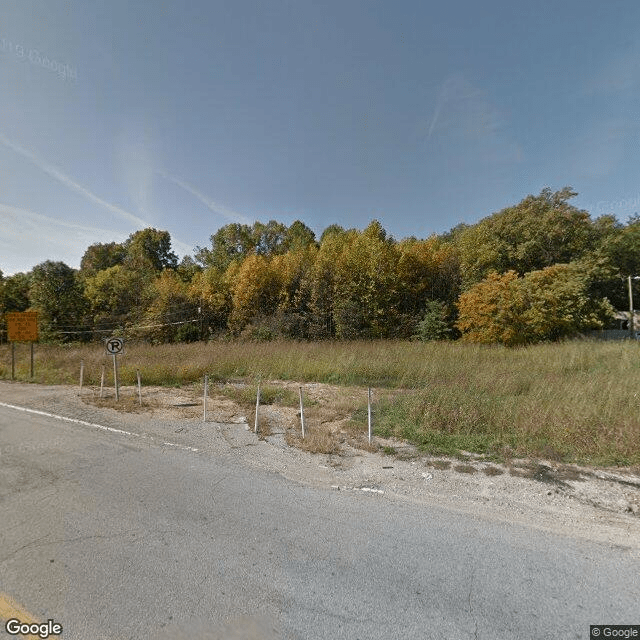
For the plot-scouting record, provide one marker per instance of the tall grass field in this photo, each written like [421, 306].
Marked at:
[576, 401]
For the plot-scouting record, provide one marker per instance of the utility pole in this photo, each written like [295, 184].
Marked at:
[631, 312]
[630, 309]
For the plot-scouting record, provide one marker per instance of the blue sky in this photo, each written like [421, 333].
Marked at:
[187, 115]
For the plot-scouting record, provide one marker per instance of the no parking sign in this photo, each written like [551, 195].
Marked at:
[115, 346]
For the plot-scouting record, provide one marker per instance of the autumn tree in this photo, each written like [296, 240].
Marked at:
[319, 287]
[211, 290]
[545, 304]
[172, 315]
[365, 290]
[255, 291]
[491, 311]
[428, 270]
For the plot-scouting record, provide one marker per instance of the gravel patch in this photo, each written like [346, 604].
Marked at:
[595, 504]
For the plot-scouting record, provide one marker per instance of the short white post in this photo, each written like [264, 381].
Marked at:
[81, 374]
[255, 427]
[301, 411]
[115, 377]
[139, 387]
[369, 412]
[102, 382]
[204, 398]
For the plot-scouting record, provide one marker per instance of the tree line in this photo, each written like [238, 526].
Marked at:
[539, 270]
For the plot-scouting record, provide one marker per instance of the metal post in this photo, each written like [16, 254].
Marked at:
[32, 359]
[301, 412]
[139, 387]
[255, 427]
[13, 360]
[204, 399]
[369, 412]
[630, 309]
[102, 381]
[115, 376]
[81, 373]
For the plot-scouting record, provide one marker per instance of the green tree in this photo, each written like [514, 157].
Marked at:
[299, 236]
[100, 256]
[232, 242]
[536, 233]
[118, 296]
[365, 290]
[16, 292]
[558, 303]
[434, 324]
[187, 269]
[150, 249]
[57, 294]
[270, 239]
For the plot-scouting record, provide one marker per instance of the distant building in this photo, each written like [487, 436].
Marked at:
[621, 332]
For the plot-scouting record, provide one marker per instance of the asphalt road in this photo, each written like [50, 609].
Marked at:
[115, 538]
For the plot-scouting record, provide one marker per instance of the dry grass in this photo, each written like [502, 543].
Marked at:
[570, 402]
[315, 441]
[465, 468]
[490, 470]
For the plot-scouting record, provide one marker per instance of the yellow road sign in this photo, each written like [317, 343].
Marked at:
[22, 327]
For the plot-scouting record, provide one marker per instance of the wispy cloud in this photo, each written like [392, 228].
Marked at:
[56, 239]
[213, 206]
[462, 107]
[64, 179]
[465, 115]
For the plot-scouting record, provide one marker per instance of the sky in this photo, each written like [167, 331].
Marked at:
[186, 115]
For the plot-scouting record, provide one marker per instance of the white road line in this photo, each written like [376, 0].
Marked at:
[92, 424]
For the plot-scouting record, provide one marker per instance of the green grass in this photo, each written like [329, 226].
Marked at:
[576, 401]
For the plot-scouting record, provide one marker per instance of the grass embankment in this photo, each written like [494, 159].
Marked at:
[573, 402]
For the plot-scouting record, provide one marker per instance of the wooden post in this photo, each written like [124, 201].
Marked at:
[102, 381]
[31, 359]
[115, 376]
[301, 411]
[13, 360]
[255, 427]
[139, 387]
